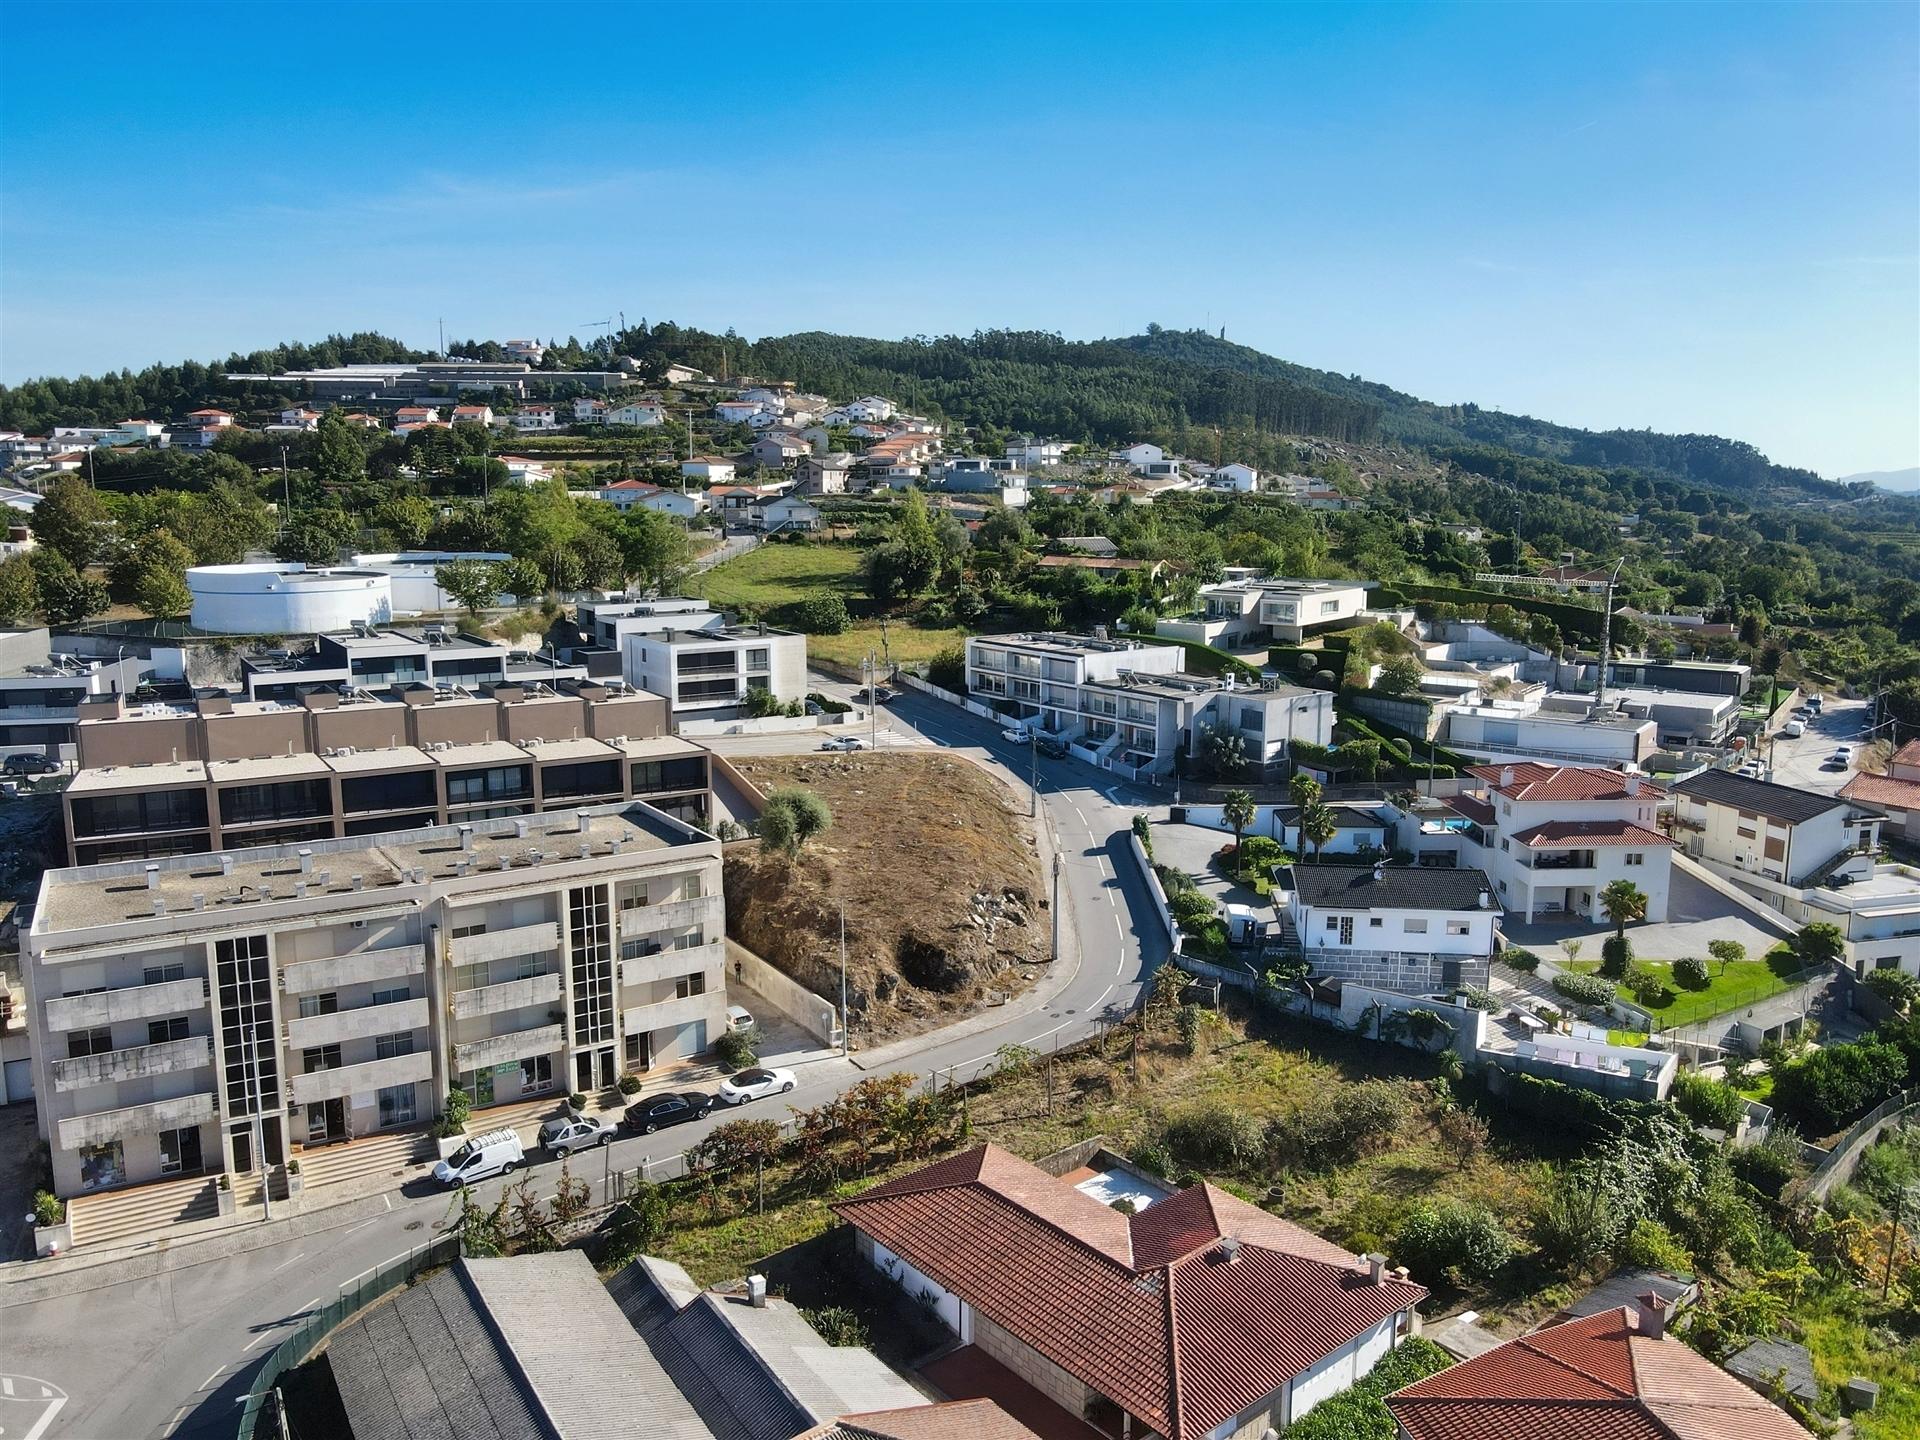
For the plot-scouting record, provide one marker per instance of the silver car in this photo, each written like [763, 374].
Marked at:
[575, 1132]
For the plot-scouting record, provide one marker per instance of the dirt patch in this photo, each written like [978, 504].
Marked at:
[935, 863]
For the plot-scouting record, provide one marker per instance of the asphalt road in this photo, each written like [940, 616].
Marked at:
[173, 1353]
[1802, 763]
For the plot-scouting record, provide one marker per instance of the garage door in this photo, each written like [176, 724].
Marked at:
[19, 1078]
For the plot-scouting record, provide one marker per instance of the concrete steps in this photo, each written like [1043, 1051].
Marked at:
[389, 1154]
[141, 1210]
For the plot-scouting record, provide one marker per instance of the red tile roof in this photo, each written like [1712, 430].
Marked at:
[1597, 1378]
[1148, 1309]
[1591, 832]
[978, 1419]
[1883, 790]
[1472, 807]
[1533, 781]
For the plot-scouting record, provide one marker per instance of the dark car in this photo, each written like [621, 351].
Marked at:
[31, 765]
[1050, 747]
[656, 1112]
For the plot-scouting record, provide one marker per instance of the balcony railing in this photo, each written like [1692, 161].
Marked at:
[666, 1014]
[507, 995]
[130, 1002]
[134, 1063]
[505, 944]
[670, 964]
[362, 1079]
[363, 1022]
[306, 977]
[504, 1049]
[103, 1126]
[1558, 860]
[671, 916]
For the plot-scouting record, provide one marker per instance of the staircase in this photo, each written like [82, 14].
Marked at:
[388, 1155]
[141, 1211]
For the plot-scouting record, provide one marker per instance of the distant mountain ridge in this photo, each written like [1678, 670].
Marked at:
[1900, 482]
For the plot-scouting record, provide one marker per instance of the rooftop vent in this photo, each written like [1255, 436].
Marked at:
[159, 905]
[757, 1291]
[359, 882]
[199, 902]
[1229, 1249]
[466, 837]
[306, 861]
[153, 877]
[520, 829]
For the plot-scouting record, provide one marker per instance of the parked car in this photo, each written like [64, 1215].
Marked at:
[483, 1156]
[31, 765]
[843, 742]
[1793, 729]
[739, 1018]
[573, 1132]
[1050, 747]
[1015, 734]
[670, 1107]
[754, 1084]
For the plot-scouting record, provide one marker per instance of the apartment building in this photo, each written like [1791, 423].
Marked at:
[1250, 609]
[1126, 705]
[196, 1013]
[41, 692]
[688, 652]
[167, 778]
[369, 658]
[1510, 729]
[1744, 827]
[1553, 837]
[1411, 929]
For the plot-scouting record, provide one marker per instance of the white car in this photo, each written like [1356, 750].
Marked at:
[843, 742]
[1793, 729]
[1017, 736]
[754, 1084]
[575, 1132]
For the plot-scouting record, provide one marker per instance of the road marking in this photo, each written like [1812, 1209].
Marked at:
[389, 1200]
[284, 1263]
[6, 1385]
[207, 1384]
[364, 1223]
[260, 1339]
[308, 1305]
[174, 1423]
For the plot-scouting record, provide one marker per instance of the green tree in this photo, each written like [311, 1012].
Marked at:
[520, 578]
[71, 520]
[316, 537]
[160, 575]
[66, 596]
[338, 460]
[1318, 826]
[1400, 676]
[1237, 809]
[1226, 752]
[407, 518]
[1303, 790]
[19, 591]
[793, 817]
[658, 552]
[1819, 944]
[1726, 952]
[602, 562]
[474, 583]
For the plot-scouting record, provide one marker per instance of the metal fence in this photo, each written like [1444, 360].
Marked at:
[354, 1296]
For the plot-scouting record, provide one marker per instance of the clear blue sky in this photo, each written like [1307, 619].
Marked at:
[1699, 218]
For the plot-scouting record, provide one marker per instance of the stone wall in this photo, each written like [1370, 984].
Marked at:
[1031, 1366]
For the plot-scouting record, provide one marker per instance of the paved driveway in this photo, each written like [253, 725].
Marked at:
[1696, 913]
[1800, 763]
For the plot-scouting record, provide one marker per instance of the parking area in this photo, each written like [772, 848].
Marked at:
[1802, 761]
[1191, 848]
[1696, 913]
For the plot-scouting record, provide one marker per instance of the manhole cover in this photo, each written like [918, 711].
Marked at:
[413, 1225]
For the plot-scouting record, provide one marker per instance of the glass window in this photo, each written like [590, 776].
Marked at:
[161, 1031]
[325, 1003]
[245, 988]
[536, 1072]
[102, 1165]
[321, 1057]
[89, 1042]
[393, 995]
[1414, 927]
[396, 1105]
[389, 1047]
[688, 986]
[161, 974]
[1458, 927]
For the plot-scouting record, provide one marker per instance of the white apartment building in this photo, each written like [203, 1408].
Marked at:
[1553, 837]
[196, 1013]
[1411, 929]
[1742, 827]
[1504, 730]
[690, 654]
[1125, 705]
[1246, 609]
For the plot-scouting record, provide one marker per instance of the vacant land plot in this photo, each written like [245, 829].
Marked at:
[773, 575]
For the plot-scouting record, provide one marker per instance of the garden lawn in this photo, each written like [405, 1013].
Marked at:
[1744, 982]
[906, 643]
[773, 575]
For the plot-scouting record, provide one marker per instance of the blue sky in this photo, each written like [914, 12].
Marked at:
[1700, 218]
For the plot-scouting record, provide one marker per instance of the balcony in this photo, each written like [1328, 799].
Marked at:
[667, 964]
[669, 1014]
[131, 1002]
[363, 1022]
[306, 977]
[363, 1079]
[134, 1063]
[506, 944]
[673, 915]
[508, 995]
[109, 1125]
[505, 1049]
[1557, 860]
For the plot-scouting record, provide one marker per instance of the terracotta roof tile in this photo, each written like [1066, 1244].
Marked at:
[1591, 832]
[1533, 781]
[1883, 790]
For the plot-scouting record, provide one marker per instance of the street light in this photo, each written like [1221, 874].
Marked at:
[1033, 749]
[1058, 866]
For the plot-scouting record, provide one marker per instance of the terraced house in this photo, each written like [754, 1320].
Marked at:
[217, 1012]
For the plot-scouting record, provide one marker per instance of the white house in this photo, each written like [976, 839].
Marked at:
[1235, 476]
[589, 411]
[524, 470]
[301, 418]
[789, 512]
[1739, 827]
[637, 412]
[1247, 609]
[1138, 455]
[535, 416]
[1413, 929]
[769, 419]
[710, 468]
[870, 407]
[1029, 454]
[473, 414]
[735, 412]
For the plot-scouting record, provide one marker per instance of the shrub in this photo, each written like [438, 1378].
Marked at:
[577, 1100]
[453, 1119]
[1584, 989]
[734, 1050]
[838, 1325]
[1651, 1244]
[48, 1208]
[1771, 1164]
[1690, 973]
[629, 1084]
[1890, 1168]
[1616, 953]
[1143, 828]
[1152, 1156]
[1645, 983]
[1212, 1135]
[819, 615]
[1707, 1101]
[1360, 1412]
[1482, 1000]
[1829, 1089]
[1450, 1236]
[1338, 1126]
[1525, 961]
[1896, 987]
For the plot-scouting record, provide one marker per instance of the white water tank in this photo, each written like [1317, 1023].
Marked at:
[287, 598]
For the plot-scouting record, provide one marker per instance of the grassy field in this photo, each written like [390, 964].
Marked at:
[1743, 983]
[1851, 1333]
[905, 644]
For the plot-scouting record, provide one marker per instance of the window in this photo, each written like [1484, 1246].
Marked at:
[1333, 922]
[393, 996]
[1374, 922]
[161, 974]
[89, 1042]
[390, 1047]
[630, 1051]
[1746, 832]
[1635, 857]
[689, 940]
[536, 1072]
[1887, 962]
[321, 1057]
[467, 932]
[325, 1003]
[1329, 607]
[688, 986]
[758, 659]
[1458, 927]
[396, 1105]
[161, 1031]
[1414, 927]
[179, 1150]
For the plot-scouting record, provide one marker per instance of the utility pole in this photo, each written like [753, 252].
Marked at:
[873, 703]
[1058, 866]
[259, 1130]
[286, 486]
[843, 978]
[1033, 775]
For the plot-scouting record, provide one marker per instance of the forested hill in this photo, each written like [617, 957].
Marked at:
[1705, 459]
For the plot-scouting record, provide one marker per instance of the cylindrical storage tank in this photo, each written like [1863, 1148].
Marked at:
[287, 599]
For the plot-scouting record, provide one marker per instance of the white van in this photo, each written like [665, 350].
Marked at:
[481, 1158]
[1793, 729]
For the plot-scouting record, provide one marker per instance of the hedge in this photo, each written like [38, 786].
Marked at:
[1572, 619]
[1559, 1104]
[1441, 757]
[1586, 989]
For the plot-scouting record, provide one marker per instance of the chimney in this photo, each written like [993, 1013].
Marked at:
[520, 829]
[299, 889]
[359, 882]
[1506, 776]
[1633, 785]
[1486, 899]
[1653, 1308]
[199, 902]
[586, 850]
[466, 837]
[757, 1291]
[153, 877]
[1377, 1268]
[506, 862]
[1229, 1249]
[306, 861]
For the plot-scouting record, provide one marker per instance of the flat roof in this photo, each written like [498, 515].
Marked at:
[657, 747]
[361, 762]
[109, 779]
[266, 767]
[580, 749]
[482, 752]
[1060, 643]
[83, 897]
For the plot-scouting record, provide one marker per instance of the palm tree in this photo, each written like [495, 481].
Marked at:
[1237, 810]
[1303, 790]
[1624, 902]
[1318, 825]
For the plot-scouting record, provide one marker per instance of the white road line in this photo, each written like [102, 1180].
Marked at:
[174, 1424]
[284, 1263]
[207, 1384]
[364, 1223]
[6, 1385]
[389, 1200]
[309, 1304]
[260, 1339]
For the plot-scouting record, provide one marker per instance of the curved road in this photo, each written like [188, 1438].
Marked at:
[156, 1352]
